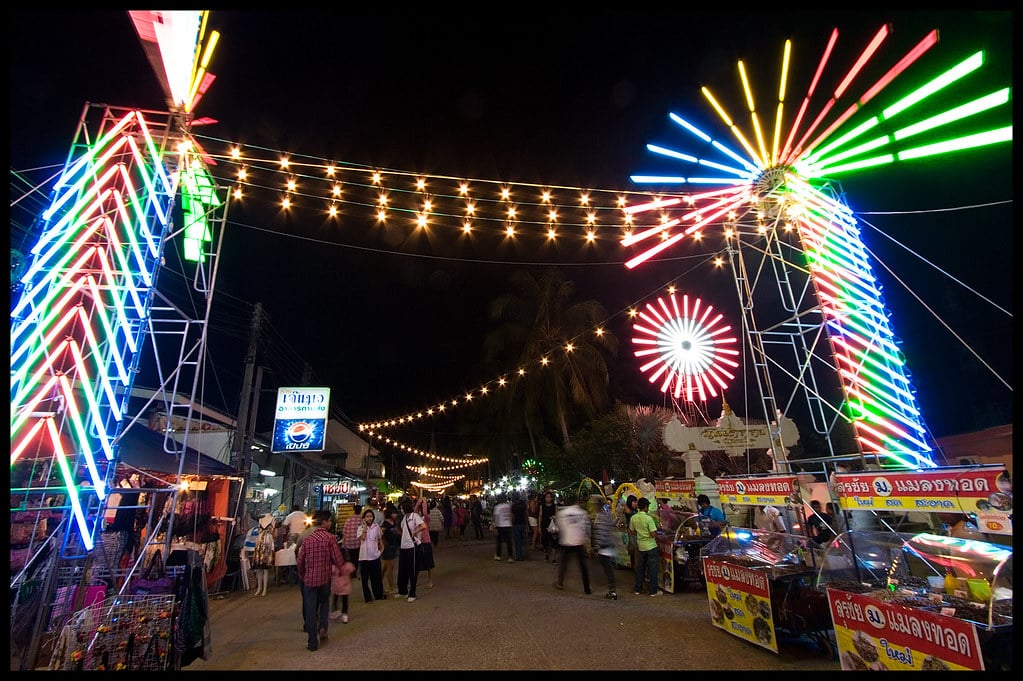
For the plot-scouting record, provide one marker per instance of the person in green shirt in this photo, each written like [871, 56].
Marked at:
[644, 527]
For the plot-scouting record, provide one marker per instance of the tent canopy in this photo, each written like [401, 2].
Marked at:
[143, 448]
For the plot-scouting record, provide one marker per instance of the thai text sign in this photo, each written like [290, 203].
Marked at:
[985, 492]
[300, 420]
[875, 635]
[756, 491]
[740, 602]
[332, 488]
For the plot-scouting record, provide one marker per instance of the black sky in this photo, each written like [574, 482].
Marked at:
[541, 96]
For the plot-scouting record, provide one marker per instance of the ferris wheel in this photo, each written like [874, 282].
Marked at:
[813, 315]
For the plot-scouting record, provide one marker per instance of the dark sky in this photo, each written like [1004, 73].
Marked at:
[567, 99]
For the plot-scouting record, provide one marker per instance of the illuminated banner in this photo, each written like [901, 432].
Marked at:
[756, 491]
[300, 421]
[740, 602]
[879, 636]
[987, 492]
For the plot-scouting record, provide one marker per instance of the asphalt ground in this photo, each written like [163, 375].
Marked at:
[487, 615]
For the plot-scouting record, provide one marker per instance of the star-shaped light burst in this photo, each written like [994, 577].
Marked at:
[777, 180]
[690, 353]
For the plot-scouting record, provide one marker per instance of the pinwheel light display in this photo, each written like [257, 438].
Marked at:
[688, 351]
[774, 194]
[88, 297]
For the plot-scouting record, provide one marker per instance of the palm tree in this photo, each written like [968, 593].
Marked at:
[537, 323]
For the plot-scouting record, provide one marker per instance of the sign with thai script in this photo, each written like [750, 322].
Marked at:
[332, 488]
[875, 635]
[767, 491]
[986, 492]
[681, 494]
[300, 421]
[740, 602]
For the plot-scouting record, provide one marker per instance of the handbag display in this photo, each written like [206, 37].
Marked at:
[154, 581]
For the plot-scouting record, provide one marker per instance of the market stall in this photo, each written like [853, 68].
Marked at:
[761, 584]
[919, 602]
[936, 601]
[680, 537]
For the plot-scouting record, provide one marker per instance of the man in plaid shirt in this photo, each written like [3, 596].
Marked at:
[318, 553]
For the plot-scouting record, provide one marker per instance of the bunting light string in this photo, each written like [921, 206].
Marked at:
[461, 461]
[352, 194]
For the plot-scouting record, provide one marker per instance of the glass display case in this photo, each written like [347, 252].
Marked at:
[689, 538]
[777, 555]
[945, 601]
[913, 569]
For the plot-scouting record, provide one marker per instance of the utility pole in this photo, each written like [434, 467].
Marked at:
[240, 453]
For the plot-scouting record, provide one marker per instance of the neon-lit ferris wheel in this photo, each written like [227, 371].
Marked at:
[789, 237]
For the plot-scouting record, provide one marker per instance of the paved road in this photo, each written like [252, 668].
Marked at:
[485, 615]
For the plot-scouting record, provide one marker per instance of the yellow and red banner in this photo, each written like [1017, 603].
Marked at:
[740, 602]
[878, 636]
[985, 492]
[773, 491]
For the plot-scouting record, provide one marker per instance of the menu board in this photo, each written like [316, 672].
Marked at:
[873, 635]
[985, 492]
[740, 602]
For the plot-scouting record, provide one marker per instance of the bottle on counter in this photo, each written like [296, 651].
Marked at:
[951, 583]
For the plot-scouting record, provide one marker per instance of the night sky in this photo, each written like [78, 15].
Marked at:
[538, 97]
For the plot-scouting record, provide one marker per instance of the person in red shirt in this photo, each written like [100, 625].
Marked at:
[318, 554]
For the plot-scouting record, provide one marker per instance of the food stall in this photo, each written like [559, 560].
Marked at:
[679, 538]
[761, 584]
[923, 601]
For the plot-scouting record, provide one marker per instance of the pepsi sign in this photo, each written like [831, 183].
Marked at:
[300, 420]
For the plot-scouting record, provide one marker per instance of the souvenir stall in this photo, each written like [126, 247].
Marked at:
[161, 551]
[760, 583]
[924, 601]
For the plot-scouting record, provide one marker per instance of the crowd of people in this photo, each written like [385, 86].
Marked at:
[391, 547]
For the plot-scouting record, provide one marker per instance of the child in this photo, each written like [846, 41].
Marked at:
[341, 585]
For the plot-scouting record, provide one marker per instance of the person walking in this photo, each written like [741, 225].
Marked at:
[573, 532]
[392, 542]
[436, 522]
[476, 515]
[350, 538]
[603, 543]
[319, 553]
[340, 588]
[520, 523]
[371, 546]
[533, 509]
[548, 542]
[412, 524]
[447, 515]
[503, 528]
[424, 555]
[461, 518]
[643, 526]
[378, 514]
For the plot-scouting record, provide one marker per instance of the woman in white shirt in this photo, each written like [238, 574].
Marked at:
[412, 524]
[371, 545]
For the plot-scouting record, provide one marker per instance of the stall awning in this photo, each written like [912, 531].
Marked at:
[143, 448]
[318, 467]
